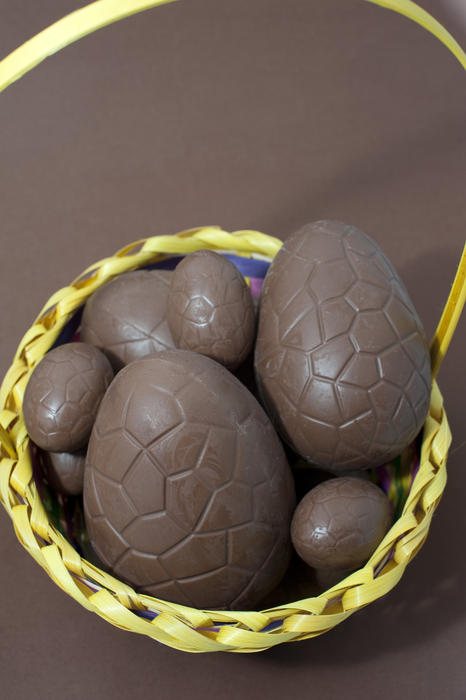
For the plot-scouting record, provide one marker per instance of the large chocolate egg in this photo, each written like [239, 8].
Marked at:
[210, 308]
[339, 524]
[187, 492]
[127, 317]
[341, 357]
[63, 395]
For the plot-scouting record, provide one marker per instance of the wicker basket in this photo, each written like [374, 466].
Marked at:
[175, 625]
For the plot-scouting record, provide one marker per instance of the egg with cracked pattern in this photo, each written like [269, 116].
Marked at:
[339, 524]
[210, 308]
[187, 492]
[63, 394]
[341, 358]
[127, 317]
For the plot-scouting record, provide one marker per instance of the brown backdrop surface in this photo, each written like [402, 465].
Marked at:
[260, 114]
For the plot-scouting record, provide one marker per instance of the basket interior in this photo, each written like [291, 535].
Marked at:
[52, 528]
[66, 512]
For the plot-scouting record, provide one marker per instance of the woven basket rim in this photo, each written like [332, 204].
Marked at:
[177, 625]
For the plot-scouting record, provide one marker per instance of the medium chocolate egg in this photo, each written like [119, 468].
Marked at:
[126, 318]
[187, 492]
[63, 395]
[210, 308]
[65, 471]
[341, 357]
[339, 524]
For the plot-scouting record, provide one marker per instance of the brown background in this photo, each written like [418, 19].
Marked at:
[253, 113]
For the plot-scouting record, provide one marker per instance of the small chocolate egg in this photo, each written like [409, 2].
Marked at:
[210, 308]
[65, 471]
[339, 524]
[187, 491]
[342, 362]
[126, 318]
[63, 395]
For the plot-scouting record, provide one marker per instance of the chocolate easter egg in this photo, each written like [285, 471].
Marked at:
[339, 524]
[187, 492]
[65, 471]
[210, 308]
[127, 317]
[63, 395]
[341, 358]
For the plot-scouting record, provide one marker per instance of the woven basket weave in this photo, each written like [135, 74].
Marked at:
[171, 624]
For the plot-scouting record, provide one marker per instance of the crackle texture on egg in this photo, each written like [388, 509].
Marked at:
[341, 358]
[339, 524]
[63, 395]
[187, 492]
[127, 317]
[210, 309]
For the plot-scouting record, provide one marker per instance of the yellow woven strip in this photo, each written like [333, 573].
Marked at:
[304, 624]
[60, 574]
[67, 30]
[34, 332]
[7, 443]
[70, 556]
[241, 241]
[22, 475]
[7, 418]
[250, 620]
[111, 610]
[405, 524]
[406, 550]
[360, 596]
[314, 606]
[125, 594]
[7, 496]
[450, 317]
[191, 616]
[436, 403]
[21, 438]
[434, 489]
[422, 480]
[176, 629]
[14, 374]
[417, 14]
[39, 519]
[25, 534]
[441, 443]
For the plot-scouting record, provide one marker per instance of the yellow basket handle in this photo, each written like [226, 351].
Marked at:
[101, 13]
[450, 317]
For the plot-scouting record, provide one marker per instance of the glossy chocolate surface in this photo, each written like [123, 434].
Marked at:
[211, 310]
[126, 318]
[63, 395]
[341, 358]
[65, 471]
[187, 492]
[340, 523]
